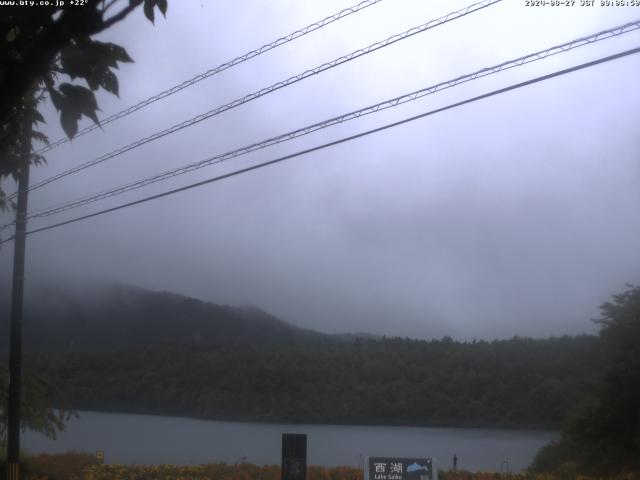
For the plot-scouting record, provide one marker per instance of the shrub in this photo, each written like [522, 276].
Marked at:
[65, 466]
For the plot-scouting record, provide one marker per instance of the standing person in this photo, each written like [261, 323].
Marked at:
[455, 462]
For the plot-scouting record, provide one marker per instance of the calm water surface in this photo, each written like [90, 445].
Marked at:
[147, 439]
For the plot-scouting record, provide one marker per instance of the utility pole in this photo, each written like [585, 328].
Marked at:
[17, 293]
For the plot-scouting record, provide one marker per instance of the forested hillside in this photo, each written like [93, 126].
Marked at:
[120, 316]
[514, 383]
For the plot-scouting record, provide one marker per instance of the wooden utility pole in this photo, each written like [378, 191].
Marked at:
[17, 293]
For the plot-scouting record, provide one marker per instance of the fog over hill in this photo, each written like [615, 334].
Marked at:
[100, 317]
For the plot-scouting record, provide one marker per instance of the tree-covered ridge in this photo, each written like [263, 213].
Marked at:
[121, 316]
[513, 383]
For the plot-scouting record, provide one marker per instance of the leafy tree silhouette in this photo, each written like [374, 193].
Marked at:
[38, 46]
[604, 438]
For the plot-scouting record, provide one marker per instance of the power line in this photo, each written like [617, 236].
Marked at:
[342, 140]
[220, 68]
[276, 86]
[405, 98]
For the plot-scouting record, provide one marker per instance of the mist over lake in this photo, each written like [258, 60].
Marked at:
[148, 439]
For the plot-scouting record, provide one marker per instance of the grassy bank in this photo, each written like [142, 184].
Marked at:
[82, 466]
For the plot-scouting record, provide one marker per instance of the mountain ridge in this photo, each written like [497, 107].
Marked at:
[118, 316]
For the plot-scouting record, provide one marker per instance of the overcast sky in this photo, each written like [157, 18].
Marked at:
[515, 215]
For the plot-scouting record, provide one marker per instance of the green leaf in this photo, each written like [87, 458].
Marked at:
[11, 35]
[162, 6]
[119, 53]
[79, 95]
[56, 99]
[39, 136]
[78, 100]
[110, 53]
[109, 82]
[69, 121]
[93, 79]
[75, 61]
[37, 160]
[37, 116]
[92, 61]
[148, 9]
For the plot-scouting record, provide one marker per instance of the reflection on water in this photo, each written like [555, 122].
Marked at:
[146, 439]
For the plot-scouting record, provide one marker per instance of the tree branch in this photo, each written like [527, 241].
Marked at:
[108, 6]
[121, 15]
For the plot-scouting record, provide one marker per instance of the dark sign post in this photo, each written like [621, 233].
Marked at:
[294, 456]
[400, 468]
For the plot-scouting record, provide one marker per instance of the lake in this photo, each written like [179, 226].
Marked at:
[147, 439]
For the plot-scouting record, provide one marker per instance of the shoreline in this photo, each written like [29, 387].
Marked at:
[251, 420]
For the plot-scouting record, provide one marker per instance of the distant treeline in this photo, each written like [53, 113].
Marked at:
[510, 383]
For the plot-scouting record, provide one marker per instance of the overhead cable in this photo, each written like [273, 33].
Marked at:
[267, 90]
[340, 141]
[405, 98]
[220, 68]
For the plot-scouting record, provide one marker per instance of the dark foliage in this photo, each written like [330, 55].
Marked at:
[42, 47]
[604, 438]
[38, 393]
[514, 383]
